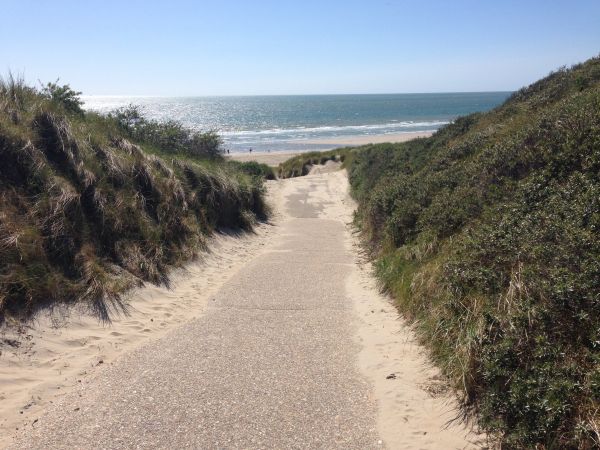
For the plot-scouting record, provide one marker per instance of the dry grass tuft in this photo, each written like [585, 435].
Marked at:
[86, 213]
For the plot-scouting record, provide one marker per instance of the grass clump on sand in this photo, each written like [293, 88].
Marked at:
[92, 205]
[255, 169]
[488, 236]
[300, 165]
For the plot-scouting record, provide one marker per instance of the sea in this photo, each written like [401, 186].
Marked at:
[300, 122]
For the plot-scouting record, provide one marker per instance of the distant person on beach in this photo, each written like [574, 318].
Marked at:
[228, 151]
[250, 150]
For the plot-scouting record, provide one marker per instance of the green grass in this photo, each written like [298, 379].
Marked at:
[487, 234]
[300, 165]
[90, 208]
[254, 169]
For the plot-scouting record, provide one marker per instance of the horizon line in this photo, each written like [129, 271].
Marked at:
[293, 95]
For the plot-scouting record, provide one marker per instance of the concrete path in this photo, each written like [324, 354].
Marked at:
[272, 362]
[269, 365]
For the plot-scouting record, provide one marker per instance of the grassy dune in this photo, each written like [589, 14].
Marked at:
[300, 164]
[488, 236]
[91, 206]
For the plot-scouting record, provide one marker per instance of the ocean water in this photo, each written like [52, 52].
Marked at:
[299, 122]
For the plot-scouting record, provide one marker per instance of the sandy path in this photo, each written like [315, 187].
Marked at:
[64, 348]
[292, 351]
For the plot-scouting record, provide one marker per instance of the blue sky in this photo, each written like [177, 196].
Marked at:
[229, 47]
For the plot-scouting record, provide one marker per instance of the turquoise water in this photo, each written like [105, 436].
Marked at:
[281, 123]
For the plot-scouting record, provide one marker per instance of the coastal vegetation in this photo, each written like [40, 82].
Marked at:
[255, 169]
[300, 165]
[487, 234]
[92, 205]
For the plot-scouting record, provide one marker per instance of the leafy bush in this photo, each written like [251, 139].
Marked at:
[170, 136]
[487, 234]
[64, 96]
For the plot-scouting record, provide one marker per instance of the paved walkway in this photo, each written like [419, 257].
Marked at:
[270, 364]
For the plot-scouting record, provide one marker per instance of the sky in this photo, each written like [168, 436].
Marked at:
[253, 47]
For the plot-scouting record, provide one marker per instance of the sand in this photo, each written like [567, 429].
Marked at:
[276, 340]
[270, 158]
[275, 158]
[416, 408]
[62, 349]
[373, 139]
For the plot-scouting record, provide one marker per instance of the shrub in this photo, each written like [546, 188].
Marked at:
[255, 169]
[170, 136]
[63, 96]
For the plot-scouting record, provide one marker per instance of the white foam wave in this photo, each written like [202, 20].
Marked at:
[341, 130]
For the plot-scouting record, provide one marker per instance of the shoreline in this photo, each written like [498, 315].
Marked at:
[371, 139]
[274, 158]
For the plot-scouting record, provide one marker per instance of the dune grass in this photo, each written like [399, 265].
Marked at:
[300, 165]
[488, 236]
[91, 206]
[254, 168]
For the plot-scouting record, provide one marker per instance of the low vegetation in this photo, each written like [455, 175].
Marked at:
[300, 164]
[169, 137]
[92, 205]
[487, 234]
[255, 169]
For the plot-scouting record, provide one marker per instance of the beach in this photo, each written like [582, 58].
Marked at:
[274, 158]
[304, 123]
[300, 225]
[371, 139]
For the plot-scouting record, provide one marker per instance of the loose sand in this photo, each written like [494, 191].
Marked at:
[373, 139]
[270, 158]
[62, 349]
[276, 340]
[275, 158]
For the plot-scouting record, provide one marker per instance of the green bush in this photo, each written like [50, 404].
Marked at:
[255, 169]
[63, 95]
[170, 136]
